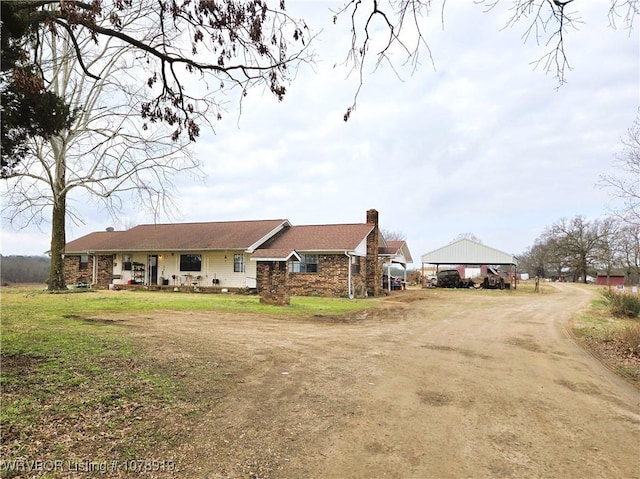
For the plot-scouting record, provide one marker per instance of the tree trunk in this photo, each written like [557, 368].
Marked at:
[58, 240]
[58, 218]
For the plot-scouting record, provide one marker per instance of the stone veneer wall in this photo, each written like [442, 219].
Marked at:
[374, 266]
[105, 271]
[271, 280]
[73, 275]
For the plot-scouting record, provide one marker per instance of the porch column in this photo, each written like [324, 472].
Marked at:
[272, 282]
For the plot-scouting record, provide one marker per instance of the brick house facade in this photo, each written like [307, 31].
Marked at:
[80, 269]
[77, 269]
[329, 280]
[331, 260]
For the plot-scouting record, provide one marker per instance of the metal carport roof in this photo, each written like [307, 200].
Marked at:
[466, 251]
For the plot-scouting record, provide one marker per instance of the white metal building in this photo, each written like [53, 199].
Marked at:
[469, 252]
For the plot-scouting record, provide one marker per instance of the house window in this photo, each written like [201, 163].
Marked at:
[126, 262]
[238, 263]
[355, 265]
[308, 264]
[84, 262]
[190, 262]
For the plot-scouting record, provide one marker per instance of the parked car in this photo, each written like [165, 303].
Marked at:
[396, 283]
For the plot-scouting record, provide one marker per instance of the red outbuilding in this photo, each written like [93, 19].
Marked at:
[613, 280]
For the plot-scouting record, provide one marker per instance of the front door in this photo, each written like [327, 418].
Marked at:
[153, 268]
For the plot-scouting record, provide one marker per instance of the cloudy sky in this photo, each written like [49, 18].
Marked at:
[479, 141]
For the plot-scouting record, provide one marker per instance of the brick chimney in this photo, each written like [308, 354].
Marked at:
[374, 267]
[372, 217]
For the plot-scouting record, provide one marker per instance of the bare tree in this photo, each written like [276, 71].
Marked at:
[109, 152]
[227, 44]
[556, 260]
[625, 185]
[628, 241]
[608, 249]
[575, 242]
[403, 26]
[469, 236]
[248, 43]
[125, 69]
[223, 45]
[537, 260]
[573, 247]
[393, 235]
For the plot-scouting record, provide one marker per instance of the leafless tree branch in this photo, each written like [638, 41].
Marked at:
[625, 185]
[547, 23]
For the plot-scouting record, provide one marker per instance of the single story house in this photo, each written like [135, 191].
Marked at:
[177, 255]
[273, 256]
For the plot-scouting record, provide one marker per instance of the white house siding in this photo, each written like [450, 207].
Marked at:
[361, 249]
[215, 265]
[120, 275]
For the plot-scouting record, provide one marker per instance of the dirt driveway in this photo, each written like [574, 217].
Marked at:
[495, 389]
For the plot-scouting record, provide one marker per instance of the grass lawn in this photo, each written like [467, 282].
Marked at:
[616, 341]
[82, 392]
[78, 392]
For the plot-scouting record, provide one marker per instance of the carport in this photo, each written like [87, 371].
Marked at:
[395, 252]
[469, 252]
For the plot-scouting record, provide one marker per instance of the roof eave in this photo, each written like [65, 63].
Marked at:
[251, 248]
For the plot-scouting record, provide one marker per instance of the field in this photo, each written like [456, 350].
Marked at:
[114, 384]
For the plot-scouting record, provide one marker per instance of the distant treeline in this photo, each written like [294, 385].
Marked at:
[24, 269]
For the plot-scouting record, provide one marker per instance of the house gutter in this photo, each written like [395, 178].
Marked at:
[349, 287]
[94, 267]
